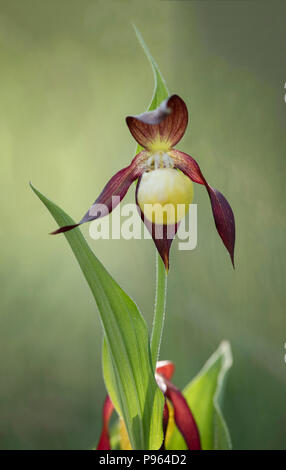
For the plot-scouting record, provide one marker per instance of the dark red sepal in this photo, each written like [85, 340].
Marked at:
[66, 228]
[165, 423]
[104, 440]
[167, 123]
[222, 212]
[224, 219]
[183, 417]
[113, 192]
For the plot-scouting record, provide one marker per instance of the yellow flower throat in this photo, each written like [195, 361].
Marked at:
[164, 193]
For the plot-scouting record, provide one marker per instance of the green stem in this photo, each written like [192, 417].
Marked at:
[159, 312]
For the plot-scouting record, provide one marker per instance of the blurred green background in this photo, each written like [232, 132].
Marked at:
[70, 72]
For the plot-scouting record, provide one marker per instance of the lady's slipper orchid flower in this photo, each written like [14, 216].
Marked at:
[174, 398]
[165, 177]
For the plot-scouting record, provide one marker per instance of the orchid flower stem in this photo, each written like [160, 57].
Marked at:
[159, 312]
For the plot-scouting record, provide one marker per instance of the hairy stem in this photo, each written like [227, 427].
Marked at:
[159, 312]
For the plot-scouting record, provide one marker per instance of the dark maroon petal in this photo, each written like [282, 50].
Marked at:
[183, 417]
[165, 423]
[66, 228]
[104, 441]
[224, 219]
[167, 123]
[188, 165]
[117, 186]
[165, 368]
[222, 212]
[162, 235]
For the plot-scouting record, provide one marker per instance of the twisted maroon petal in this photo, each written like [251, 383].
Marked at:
[117, 186]
[167, 123]
[162, 234]
[222, 212]
[104, 441]
[183, 417]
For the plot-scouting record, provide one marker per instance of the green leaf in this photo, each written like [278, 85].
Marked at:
[160, 90]
[134, 388]
[204, 395]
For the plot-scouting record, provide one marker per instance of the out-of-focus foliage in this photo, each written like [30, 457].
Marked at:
[204, 395]
[67, 82]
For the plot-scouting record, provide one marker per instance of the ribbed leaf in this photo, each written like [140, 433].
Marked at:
[134, 389]
[204, 395]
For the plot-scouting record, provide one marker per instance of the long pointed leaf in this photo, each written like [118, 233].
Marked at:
[137, 396]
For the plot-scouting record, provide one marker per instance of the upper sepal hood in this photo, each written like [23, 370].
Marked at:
[166, 369]
[165, 126]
